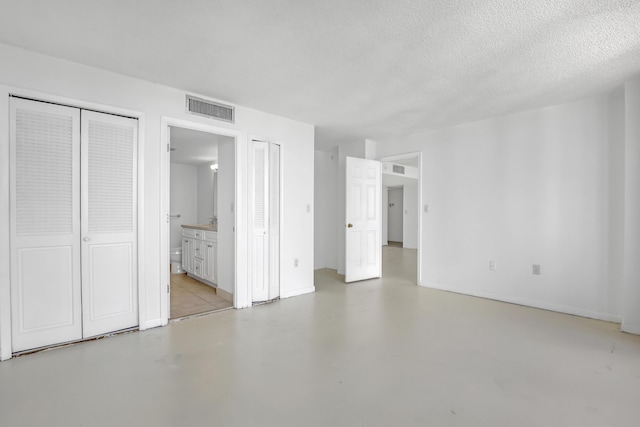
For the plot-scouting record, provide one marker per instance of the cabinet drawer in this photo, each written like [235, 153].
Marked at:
[198, 248]
[197, 267]
[211, 236]
[189, 232]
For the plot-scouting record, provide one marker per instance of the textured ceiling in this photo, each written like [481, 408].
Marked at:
[354, 68]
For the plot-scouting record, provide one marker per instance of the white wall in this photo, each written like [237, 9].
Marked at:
[395, 209]
[184, 199]
[631, 284]
[205, 194]
[616, 202]
[385, 215]
[226, 216]
[523, 189]
[327, 216]
[410, 215]
[42, 76]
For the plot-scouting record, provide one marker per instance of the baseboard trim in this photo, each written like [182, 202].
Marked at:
[5, 354]
[227, 296]
[575, 311]
[631, 328]
[296, 292]
[151, 324]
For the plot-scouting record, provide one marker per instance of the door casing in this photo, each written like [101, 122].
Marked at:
[241, 294]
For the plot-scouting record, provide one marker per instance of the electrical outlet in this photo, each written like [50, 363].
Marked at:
[492, 265]
[295, 262]
[536, 269]
[426, 208]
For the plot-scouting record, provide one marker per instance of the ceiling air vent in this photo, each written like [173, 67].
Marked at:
[210, 109]
[398, 169]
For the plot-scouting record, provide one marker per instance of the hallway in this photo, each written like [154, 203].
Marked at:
[374, 353]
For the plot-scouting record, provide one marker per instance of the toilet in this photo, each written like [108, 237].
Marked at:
[175, 255]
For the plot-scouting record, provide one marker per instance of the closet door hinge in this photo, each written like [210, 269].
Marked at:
[168, 148]
[167, 288]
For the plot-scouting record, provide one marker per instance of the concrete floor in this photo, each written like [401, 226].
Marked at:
[374, 353]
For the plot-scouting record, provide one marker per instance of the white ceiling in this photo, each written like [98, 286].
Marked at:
[356, 69]
[192, 147]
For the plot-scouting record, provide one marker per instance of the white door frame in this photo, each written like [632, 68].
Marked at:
[240, 293]
[5, 250]
[420, 206]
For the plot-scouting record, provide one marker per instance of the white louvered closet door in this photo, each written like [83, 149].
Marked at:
[265, 208]
[260, 218]
[109, 204]
[45, 224]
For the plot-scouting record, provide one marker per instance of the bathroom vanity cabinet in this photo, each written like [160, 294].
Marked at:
[200, 253]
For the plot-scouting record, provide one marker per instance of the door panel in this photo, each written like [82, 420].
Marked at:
[53, 267]
[45, 224]
[109, 229]
[363, 220]
[260, 219]
[265, 202]
[111, 293]
[274, 221]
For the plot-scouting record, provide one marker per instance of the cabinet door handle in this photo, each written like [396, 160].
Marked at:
[209, 246]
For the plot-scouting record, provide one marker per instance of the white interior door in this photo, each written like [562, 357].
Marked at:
[363, 220]
[109, 205]
[265, 199]
[45, 224]
[260, 204]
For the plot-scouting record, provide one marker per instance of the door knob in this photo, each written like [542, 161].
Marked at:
[86, 239]
[349, 225]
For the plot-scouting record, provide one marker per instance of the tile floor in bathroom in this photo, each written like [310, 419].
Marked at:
[189, 297]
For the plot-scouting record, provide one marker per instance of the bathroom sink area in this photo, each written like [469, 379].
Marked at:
[205, 227]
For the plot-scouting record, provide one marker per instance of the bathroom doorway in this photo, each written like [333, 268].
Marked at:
[201, 222]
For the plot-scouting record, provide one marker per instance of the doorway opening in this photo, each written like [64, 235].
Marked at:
[401, 219]
[395, 215]
[201, 222]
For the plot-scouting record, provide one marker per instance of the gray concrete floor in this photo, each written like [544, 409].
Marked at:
[374, 353]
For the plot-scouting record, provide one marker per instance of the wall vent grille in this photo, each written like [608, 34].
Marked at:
[398, 169]
[210, 109]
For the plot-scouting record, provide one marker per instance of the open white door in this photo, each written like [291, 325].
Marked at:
[363, 220]
[109, 212]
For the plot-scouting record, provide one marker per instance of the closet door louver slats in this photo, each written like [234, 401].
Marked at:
[110, 178]
[44, 173]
